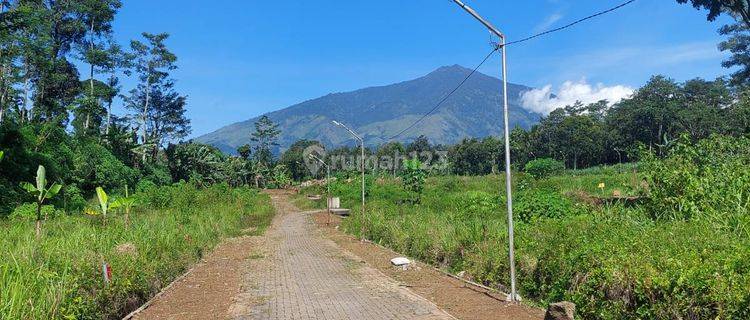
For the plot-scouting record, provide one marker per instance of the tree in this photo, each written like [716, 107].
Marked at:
[165, 118]
[475, 157]
[152, 62]
[41, 193]
[294, 161]
[737, 45]
[419, 147]
[244, 151]
[650, 115]
[389, 156]
[739, 9]
[265, 138]
[97, 16]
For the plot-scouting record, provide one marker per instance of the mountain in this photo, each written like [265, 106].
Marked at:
[377, 113]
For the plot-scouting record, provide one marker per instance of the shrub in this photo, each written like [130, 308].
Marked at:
[706, 181]
[95, 166]
[479, 204]
[27, 211]
[542, 168]
[543, 203]
[71, 200]
[413, 177]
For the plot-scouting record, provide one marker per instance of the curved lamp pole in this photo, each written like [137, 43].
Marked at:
[511, 250]
[328, 185]
[362, 167]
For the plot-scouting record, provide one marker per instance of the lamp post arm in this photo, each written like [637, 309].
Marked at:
[480, 19]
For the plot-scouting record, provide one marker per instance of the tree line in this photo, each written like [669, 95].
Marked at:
[652, 119]
[61, 73]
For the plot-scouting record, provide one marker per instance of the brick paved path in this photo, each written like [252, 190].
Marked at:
[310, 277]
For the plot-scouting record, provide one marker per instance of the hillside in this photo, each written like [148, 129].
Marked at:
[380, 112]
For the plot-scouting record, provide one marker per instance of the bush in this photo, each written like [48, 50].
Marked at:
[94, 166]
[413, 177]
[707, 181]
[72, 199]
[542, 168]
[27, 211]
[543, 203]
[157, 173]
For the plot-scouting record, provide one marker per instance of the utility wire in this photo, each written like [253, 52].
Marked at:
[497, 47]
[447, 96]
[572, 23]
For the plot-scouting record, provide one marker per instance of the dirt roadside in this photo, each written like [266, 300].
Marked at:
[212, 287]
[454, 296]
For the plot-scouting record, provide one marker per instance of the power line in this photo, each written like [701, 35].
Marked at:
[447, 96]
[498, 47]
[572, 23]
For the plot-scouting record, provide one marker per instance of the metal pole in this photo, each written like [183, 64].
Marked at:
[508, 175]
[363, 189]
[328, 192]
[362, 144]
[508, 181]
[328, 186]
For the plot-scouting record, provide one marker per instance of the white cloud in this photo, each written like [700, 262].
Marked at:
[542, 100]
[548, 22]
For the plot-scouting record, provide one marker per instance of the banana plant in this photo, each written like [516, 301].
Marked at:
[104, 204]
[41, 193]
[127, 203]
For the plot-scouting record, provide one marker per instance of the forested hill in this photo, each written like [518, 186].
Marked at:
[380, 112]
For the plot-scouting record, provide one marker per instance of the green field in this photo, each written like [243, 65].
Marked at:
[60, 274]
[611, 258]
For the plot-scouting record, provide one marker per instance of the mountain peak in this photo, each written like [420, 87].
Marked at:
[452, 69]
[379, 112]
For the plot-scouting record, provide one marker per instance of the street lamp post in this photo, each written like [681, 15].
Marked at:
[511, 248]
[328, 186]
[362, 166]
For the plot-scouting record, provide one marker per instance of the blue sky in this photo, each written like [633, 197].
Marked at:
[240, 59]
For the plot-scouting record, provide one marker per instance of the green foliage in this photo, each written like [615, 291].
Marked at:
[612, 260]
[476, 157]
[534, 204]
[543, 168]
[94, 166]
[195, 162]
[127, 203]
[479, 204]
[265, 138]
[413, 176]
[40, 190]
[280, 176]
[707, 181]
[72, 199]
[27, 211]
[59, 276]
[293, 159]
[104, 203]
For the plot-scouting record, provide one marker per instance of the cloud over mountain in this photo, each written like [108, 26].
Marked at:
[545, 100]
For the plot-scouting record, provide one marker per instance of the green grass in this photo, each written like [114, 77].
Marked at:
[614, 262]
[59, 276]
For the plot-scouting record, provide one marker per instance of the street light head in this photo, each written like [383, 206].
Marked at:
[337, 123]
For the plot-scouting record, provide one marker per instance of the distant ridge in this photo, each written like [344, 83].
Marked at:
[380, 112]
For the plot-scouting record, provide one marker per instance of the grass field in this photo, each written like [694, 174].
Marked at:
[609, 257]
[60, 275]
